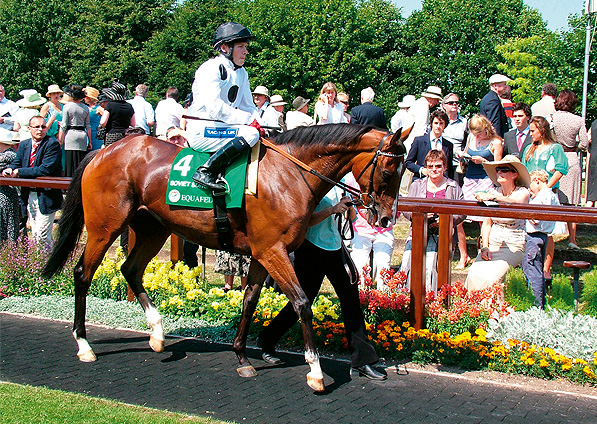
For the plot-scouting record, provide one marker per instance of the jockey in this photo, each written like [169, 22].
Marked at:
[223, 102]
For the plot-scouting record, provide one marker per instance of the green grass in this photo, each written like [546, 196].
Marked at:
[33, 405]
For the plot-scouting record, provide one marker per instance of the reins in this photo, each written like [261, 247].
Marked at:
[310, 170]
[355, 192]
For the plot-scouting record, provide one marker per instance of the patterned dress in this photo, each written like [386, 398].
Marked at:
[9, 202]
[572, 135]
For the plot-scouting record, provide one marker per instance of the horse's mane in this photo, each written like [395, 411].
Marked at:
[323, 135]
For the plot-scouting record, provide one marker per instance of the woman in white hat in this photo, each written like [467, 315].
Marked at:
[28, 108]
[503, 239]
[403, 118]
[52, 109]
[9, 197]
[274, 114]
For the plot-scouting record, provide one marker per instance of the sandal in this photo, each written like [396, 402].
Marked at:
[462, 266]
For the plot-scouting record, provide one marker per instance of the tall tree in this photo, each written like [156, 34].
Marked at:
[32, 51]
[301, 44]
[451, 43]
[180, 45]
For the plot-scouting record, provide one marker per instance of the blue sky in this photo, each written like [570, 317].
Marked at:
[555, 12]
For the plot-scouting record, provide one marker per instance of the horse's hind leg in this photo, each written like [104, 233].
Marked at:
[96, 248]
[257, 274]
[150, 236]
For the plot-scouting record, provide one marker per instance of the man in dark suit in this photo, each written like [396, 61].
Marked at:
[516, 140]
[38, 156]
[367, 113]
[491, 105]
[415, 161]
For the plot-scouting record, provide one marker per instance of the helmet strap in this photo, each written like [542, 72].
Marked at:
[229, 55]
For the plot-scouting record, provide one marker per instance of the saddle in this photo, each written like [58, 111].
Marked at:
[241, 178]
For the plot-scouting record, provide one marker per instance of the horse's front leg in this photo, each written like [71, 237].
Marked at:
[256, 277]
[281, 270]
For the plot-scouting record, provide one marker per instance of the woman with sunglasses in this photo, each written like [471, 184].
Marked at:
[546, 154]
[503, 238]
[329, 109]
[434, 186]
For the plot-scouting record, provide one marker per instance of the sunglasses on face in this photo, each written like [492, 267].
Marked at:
[435, 166]
[37, 127]
[453, 103]
[504, 169]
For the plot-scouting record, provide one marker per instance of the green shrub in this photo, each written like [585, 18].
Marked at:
[561, 295]
[589, 293]
[516, 290]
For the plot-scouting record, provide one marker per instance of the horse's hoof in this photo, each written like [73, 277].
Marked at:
[247, 371]
[156, 345]
[315, 383]
[87, 356]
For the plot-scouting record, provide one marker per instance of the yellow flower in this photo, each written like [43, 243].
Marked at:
[406, 324]
[480, 332]
[529, 361]
[588, 371]
[566, 366]
[543, 363]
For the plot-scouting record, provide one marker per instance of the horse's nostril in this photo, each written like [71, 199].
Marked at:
[385, 222]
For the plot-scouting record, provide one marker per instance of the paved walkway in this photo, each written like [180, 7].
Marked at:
[199, 378]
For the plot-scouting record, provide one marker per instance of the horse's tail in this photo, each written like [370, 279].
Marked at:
[71, 222]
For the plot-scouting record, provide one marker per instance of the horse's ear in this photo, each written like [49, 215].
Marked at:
[396, 136]
[404, 135]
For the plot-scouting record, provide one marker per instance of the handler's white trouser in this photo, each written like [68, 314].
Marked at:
[210, 136]
[382, 245]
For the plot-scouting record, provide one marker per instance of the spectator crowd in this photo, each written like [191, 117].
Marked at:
[509, 152]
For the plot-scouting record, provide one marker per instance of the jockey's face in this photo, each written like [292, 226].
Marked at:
[239, 52]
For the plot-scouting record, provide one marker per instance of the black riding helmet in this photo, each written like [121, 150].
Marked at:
[230, 33]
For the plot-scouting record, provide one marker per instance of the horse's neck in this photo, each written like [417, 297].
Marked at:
[333, 165]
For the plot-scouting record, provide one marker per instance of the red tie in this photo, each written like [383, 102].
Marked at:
[519, 141]
[34, 147]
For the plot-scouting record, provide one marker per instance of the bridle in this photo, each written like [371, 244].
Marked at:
[358, 195]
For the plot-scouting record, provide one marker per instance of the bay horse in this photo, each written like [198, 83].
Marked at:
[125, 185]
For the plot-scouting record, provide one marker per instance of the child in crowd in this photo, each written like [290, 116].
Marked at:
[537, 233]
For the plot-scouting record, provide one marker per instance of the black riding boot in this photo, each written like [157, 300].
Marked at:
[207, 174]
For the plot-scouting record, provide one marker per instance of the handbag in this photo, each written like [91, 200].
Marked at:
[101, 133]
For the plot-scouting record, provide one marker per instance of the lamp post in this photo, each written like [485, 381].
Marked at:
[590, 7]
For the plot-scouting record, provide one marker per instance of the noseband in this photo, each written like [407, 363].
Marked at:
[370, 205]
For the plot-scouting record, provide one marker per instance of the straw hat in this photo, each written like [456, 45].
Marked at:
[277, 100]
[30, 98]
[260, 89]
[497, 78]
[407, 101]
[523, 174]
[433, 92]
[91, 92]
[9, 137]
[300, 102]
[54, 88]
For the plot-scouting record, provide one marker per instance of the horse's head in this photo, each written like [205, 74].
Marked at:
[379, 178]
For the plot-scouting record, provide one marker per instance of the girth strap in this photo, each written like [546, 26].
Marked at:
[222, 222]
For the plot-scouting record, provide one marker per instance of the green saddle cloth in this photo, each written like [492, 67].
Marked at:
[182, 190]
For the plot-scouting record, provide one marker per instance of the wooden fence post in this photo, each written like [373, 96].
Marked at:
[417, 269]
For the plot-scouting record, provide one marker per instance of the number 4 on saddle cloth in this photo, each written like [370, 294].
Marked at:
[182, 190]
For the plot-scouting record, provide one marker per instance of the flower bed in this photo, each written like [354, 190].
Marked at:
[472, 332]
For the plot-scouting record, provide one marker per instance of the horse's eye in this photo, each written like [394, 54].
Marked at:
[386, 175]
